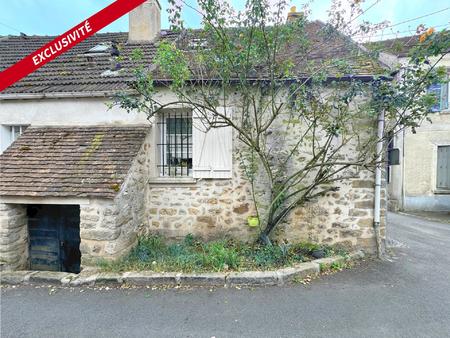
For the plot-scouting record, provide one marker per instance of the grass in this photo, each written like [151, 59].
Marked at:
[192, 255]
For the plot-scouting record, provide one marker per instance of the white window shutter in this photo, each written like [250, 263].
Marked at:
[444, 96]
[211, 150]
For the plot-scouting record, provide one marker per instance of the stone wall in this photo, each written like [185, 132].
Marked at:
[109, 228]
[13, 237]
[217, 208]
[209, 208]
[214, 208]
[344, 217]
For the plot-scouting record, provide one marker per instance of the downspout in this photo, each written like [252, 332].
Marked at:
[377, 206]
[403, 169]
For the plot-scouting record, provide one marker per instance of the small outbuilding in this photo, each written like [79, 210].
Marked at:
[71, 194]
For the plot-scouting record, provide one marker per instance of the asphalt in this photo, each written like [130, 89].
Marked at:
[437, 216]
[407, 295]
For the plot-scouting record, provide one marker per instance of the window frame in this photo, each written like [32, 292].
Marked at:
[164, 169]
[12, 132]
[8, 134]
[444, 94]
[437, 187]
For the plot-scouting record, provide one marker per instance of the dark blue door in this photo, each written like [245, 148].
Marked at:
[54, 237]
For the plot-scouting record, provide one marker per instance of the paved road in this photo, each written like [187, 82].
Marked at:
[408, 296]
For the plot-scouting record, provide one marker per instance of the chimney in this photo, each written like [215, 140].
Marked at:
[293, 15]
[145, 22]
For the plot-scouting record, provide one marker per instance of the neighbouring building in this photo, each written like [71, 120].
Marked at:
[79, 181]
[421, 182]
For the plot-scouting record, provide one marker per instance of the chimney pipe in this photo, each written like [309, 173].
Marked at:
[293, 15]
[145, 22]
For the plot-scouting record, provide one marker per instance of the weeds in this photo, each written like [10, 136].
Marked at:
[193, 255]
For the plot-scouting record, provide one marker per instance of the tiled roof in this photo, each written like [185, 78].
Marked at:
[69, 161]
[399, 46]
[72, 72]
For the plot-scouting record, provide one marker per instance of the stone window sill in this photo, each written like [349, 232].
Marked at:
[172, 181]
[442, 192]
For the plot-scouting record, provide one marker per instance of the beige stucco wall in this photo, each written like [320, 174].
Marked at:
[61, 112]
[413, 183]
[421, 155]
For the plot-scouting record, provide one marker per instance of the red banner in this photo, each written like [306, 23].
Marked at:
[66, 41]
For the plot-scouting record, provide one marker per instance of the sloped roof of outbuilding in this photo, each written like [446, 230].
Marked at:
[69, 161]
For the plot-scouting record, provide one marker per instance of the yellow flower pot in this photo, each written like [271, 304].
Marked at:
[253, 221]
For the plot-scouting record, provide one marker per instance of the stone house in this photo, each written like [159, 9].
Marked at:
[79, 181]
[421, 180]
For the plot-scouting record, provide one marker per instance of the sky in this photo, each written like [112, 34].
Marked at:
[54, 17]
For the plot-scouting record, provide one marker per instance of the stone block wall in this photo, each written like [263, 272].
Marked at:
[109, 228]
[209, 209]
[344, 217]
[217, 208]
[13, 237]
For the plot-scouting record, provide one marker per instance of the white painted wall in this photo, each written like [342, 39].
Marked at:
[61, 112]
[73, 111]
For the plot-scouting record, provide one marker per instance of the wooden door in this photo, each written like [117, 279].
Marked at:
[54, 232]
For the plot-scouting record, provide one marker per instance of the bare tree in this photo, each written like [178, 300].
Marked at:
[301, 96]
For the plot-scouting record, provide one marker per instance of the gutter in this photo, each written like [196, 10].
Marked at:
[378, 171]
[165, 82]
[38, 96]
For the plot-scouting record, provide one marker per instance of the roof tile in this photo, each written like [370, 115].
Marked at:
[73, 72]
[69, 161]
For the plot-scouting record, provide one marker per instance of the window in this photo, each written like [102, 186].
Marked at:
[15, 132]
[440, 90]
[196, 43]
[8, 134]
[443, 167]
[175, 145]
[187, 149]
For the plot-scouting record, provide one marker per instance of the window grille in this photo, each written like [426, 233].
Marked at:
[175, 144]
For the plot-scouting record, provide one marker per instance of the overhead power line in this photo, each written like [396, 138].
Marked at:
[419, 17]
[10, 27]
[379, 35]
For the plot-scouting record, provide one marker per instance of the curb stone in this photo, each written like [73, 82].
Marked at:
[208, 279]
[84, 280]
[51, 277]
[151, 278]
[16, 277]
[107, 278]
[300, 271]
[325, 263]
[147, 278]
[252, 278]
